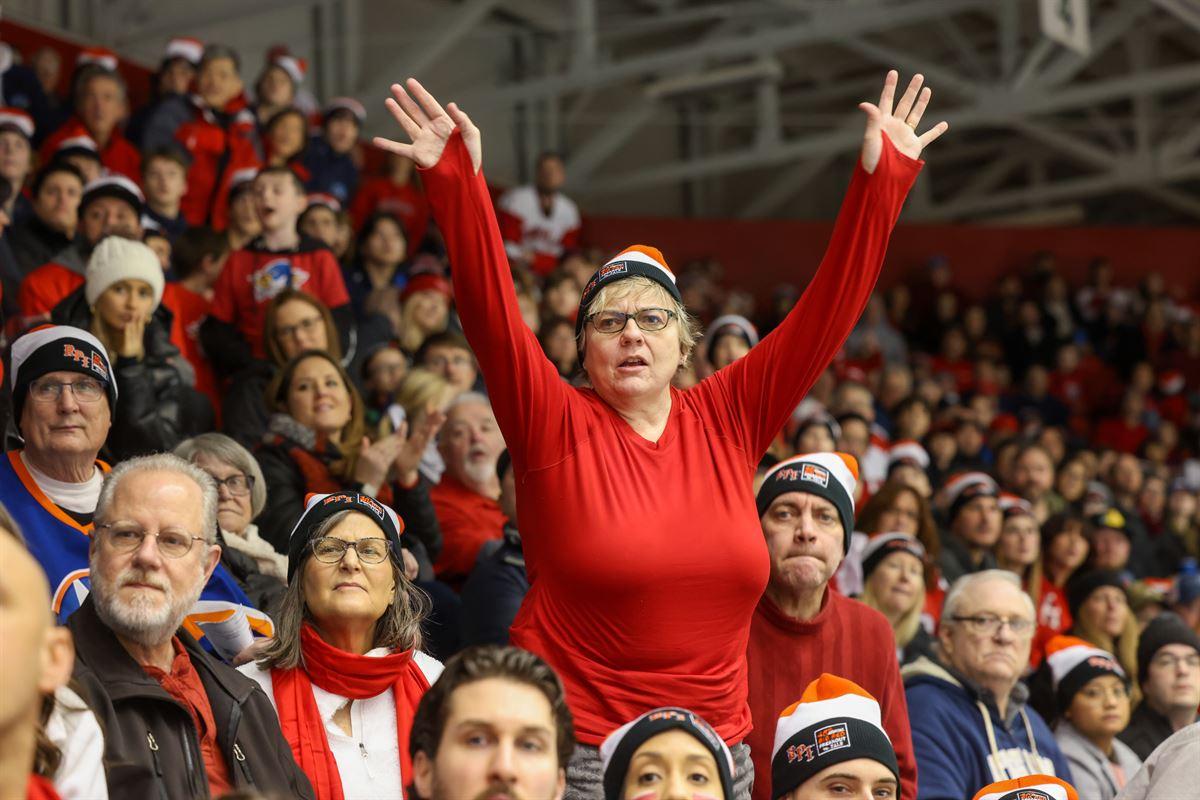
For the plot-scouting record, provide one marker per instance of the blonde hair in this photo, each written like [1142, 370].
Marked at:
[1124, 646]
[411, 335]
[686, 324]
[906, 628]
[420, 388]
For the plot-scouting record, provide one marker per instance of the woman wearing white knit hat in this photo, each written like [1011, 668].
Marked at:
[120, 304]
[636, 499]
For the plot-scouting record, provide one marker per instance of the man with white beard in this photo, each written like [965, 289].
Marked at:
[466, 498]
[178, 723]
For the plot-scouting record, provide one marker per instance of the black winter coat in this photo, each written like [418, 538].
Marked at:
[156, 407]
[151, 748]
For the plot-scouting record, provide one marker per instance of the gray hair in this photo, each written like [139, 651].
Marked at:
[966, 583]
[164, 462]
[399, 628]
[469, 397]
[224, 449]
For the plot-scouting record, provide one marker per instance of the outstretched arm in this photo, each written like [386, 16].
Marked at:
[758, 392]
[529, 398]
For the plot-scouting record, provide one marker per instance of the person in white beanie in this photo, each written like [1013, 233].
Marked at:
[120, 304]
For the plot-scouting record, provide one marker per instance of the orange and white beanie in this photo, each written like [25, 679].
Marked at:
[638, 259]
[832, 476]
[1030, 787]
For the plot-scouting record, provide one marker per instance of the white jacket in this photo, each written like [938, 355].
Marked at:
[73, 729]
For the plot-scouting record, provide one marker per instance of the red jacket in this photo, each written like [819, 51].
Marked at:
[117, 156]
[468, 521]
[189, 310]
[220, 145]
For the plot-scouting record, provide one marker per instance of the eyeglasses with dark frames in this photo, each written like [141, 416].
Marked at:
[331, 550]
[648, 319]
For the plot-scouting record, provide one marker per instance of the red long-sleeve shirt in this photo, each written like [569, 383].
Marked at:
[646, 559]
[845, 638]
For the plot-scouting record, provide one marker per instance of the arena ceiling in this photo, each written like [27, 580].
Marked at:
[755, 99]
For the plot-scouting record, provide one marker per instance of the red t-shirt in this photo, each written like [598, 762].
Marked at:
[646, 559]
[190, 310]
[183, 683]
[845, 638]
[468, 520]
[254, 275]
[44, 288]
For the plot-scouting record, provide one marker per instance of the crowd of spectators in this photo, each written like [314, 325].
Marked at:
[223, 332]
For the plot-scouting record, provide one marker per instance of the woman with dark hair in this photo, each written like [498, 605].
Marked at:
[899, 508]
[345, 669]
[316, 442]
[285, 137]
[630, 464]
[295, 321]
[380, 263]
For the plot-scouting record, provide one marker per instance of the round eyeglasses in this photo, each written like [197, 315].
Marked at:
[331, 550]
[648, 319]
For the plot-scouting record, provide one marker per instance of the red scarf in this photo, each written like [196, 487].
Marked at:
[347, 675]
[39, 788]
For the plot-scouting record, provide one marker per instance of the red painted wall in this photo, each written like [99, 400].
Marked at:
[761, 254]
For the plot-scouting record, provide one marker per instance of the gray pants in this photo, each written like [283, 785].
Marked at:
[585, 779]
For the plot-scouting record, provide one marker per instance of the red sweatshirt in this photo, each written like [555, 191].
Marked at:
[404, 202]
[846, 638]
[469, 520]
[646, 559]
[117, 156]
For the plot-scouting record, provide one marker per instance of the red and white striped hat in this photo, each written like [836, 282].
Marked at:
[100, 56]
[185, 47]
[17, 120]
[296, 68]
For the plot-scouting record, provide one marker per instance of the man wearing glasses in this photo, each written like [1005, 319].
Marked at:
[64, 395]
[970, 722]
[1169, 674]
[178, 723]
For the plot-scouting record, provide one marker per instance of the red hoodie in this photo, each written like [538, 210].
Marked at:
[116, 156]
[220, 145]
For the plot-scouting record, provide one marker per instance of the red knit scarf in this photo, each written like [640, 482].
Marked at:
[346, 675]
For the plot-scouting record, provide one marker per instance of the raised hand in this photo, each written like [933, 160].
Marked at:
[374, 461]
[408, 457]
[900, 122]
[428, 125]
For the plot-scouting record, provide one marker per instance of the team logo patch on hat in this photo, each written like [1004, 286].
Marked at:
[90, 361]
[831, 737]
[811, 472]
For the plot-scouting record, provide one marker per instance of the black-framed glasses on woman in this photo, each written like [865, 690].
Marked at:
[238, 485]
[648, 319]
[126, 537]
[306, 326]
[331, 550]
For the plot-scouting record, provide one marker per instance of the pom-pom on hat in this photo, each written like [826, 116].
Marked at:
[880, 547]
[296, 68]
[1074, 662]
[320, 507]
[185, 47]
[15, 119]
[638, 259]
[834, 721]
[833, 476]
[729, 325]
[1030, 787]
[347, 104]
[965, 487]
[620, 746]
[117, 259]
[58, 348]
[117, 186]
[908, 452]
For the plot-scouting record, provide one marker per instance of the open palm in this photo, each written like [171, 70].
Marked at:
[899, 122]
[428, 125]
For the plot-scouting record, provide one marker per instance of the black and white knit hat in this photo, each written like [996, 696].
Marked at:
[620, 746]
[637, 259]
[117, 186]
[58, 348]
[1073, 662]
[835, 721]
[880, 547]
[321, 507]
[965, 487]
[729, 325]
[833, 476]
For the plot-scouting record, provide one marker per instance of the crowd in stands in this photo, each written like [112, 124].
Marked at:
[352, 482]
